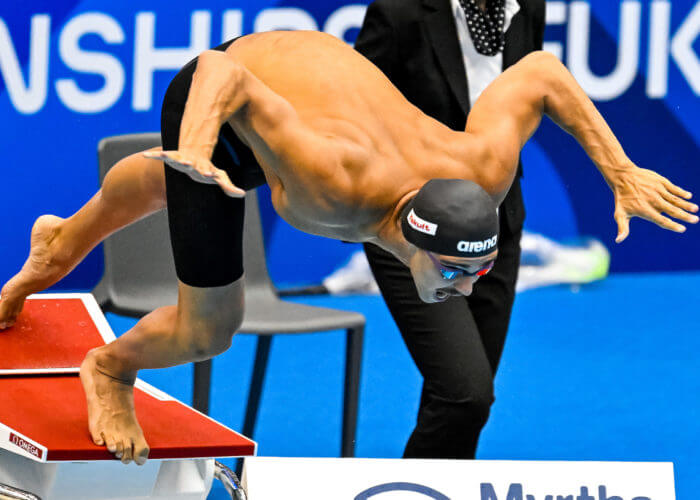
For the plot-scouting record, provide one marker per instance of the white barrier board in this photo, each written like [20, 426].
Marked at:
[270, 478]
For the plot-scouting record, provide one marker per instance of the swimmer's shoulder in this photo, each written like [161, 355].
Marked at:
[256, 48]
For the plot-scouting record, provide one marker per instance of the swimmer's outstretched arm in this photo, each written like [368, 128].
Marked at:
[511, 108]
[215, 94]
[223, 90]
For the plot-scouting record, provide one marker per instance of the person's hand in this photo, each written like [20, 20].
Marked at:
[198, 168]
[643, 193]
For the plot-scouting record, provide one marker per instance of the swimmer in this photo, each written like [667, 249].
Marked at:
[346, 157]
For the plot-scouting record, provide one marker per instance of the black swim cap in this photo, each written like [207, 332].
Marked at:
[452, 217]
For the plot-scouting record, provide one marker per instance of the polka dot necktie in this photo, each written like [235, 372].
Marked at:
[486, 26]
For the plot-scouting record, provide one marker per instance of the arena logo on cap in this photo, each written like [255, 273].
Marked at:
[477, 246]
[421, 225]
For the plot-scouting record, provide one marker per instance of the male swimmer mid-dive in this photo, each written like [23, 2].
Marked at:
[347, 157]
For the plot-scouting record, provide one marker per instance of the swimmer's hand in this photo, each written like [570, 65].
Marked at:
[643, 193]
[198, 168]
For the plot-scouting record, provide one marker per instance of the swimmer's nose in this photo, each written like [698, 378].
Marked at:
[464, 286]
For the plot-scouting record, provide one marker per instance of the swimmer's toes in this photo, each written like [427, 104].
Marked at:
[95, 434]
[141, 451]
[10, 306]
[97, 438]
[111, 443]
[6, 323]
[128, 455]
[119, 444]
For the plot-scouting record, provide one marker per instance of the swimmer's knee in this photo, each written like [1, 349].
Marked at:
[207, 318]
[206, 340]
[206, 343]
[154, 178]
[203, 349]
[135, 181]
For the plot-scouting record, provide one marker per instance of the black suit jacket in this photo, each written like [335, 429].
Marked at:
[415, 44]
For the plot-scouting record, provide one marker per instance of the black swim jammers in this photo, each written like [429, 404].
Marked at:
[206, 225]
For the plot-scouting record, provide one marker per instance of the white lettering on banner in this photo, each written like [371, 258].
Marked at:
[682, 48]
[32, 97]
[232, 25]
[83, 61]
[604, 88]
[284, 18]
[659, 28]
[148, 59]
[619, 80]
[344, 19]
[28, 92]
[555, 15]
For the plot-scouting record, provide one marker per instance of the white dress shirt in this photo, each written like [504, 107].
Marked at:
[481, 70]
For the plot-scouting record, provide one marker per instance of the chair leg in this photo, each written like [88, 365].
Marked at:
[353, 364]
[262, 353]
[201, 387]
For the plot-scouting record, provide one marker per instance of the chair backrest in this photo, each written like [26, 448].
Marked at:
[139, 271]
[257, 276]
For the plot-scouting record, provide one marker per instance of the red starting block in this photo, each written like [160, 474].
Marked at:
[45, 446]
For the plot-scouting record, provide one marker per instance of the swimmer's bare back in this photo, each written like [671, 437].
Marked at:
[343, 150]
[357, 145]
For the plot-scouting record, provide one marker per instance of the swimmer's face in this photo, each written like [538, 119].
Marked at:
[438, 277]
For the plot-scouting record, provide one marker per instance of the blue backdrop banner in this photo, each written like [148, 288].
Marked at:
[72, 72]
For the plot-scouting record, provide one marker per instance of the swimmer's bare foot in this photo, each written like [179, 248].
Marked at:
[111, 416]
[47, 263]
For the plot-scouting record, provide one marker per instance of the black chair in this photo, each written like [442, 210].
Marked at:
[140, 276]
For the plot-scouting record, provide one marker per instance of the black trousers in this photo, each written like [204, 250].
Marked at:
[456, 345]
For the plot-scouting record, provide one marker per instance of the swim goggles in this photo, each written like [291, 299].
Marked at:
[451, 273]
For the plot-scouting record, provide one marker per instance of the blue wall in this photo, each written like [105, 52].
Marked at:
[73, 71]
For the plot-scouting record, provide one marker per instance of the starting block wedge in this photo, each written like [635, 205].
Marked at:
[45, 448]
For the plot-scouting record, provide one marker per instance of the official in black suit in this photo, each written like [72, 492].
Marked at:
[456, 344]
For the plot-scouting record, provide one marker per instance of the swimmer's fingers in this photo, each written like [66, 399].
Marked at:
[678, 191]
[161, 155]
[623, 225]
[199, 169]
[679, 202]
[173, 159]
[207, 173]
[156, 154]
[652, 214]
[176, 159]
[649, 209]
[676, 212]
[224, 182]
[664, 222]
